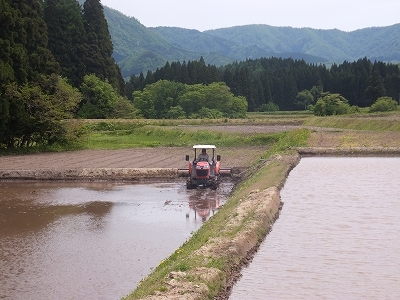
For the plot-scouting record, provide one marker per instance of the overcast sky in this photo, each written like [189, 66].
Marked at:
[346, 15]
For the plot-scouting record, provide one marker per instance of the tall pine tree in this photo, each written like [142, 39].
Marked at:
[67, 37]
[375, 87]
[13, 56]
[99, 60]
[32, 37]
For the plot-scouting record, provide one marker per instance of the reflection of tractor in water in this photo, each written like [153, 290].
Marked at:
[204, 169]
[203, 204]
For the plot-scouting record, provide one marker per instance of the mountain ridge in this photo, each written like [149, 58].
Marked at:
[138, 48]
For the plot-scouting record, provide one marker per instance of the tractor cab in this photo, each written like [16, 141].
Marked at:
[204, 168]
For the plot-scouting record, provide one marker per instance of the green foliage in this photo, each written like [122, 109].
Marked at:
[101, 101]
[12, 55]
[35, 112]
[64, 97]
[156, 99]
[331, 104]
[384, 104]
[208, 113]
[30, 33]
[289, 140]
[176, 112]
[168, 99]
[269, 106]
[124, 109]
[304, 98]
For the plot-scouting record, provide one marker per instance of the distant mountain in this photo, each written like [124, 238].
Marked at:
[332, 45]
[138, 48]
[231, 49]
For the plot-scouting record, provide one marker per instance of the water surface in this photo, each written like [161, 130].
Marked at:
[338, 235]
[62, 240]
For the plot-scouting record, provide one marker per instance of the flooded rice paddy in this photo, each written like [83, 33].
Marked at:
[338, 235]
[70, 240]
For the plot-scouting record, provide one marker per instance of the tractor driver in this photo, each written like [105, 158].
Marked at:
[203, 156]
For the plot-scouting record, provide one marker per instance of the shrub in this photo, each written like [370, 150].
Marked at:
[331, 104]
[270, 106]
[384, 104]
[206, 113]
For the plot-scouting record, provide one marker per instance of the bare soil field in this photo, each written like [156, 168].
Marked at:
[238, 158]
[173, 157]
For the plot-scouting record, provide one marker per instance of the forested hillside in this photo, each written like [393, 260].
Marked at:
[138, 48]
[376, 43]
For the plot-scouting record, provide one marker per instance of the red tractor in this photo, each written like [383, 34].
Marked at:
[204, 169]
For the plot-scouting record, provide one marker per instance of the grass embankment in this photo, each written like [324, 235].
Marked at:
[210, 273]
[118, 135]
[370, 122]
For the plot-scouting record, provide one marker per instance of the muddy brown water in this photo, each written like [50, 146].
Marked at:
[70, 240]
[338, 235]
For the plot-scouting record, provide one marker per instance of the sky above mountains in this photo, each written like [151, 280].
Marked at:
[345, 15]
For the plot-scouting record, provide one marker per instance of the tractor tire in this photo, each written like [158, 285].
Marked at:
[214, 185]
[190, 185]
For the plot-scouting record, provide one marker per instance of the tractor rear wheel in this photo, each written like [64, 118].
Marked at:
[190, 185]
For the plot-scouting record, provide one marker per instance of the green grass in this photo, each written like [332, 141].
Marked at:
[117, 134]
[371, 122]
[156, 136]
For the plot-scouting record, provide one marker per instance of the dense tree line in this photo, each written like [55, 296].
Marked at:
[47, 51]
[270, 82]
[192, 72]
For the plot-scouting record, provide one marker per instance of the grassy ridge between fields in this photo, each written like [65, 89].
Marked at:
[378, 122]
